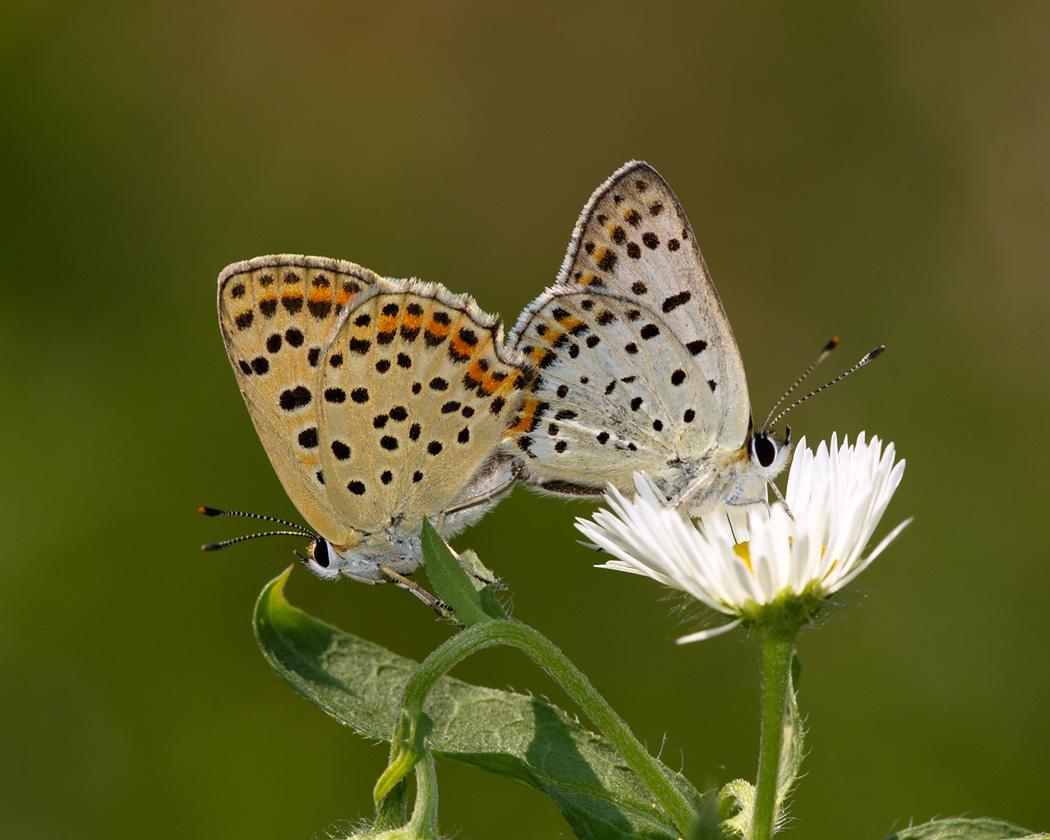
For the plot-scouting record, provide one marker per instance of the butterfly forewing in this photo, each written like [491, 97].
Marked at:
[277, 314]
[639, 369]
[416, 394]
[634, 239]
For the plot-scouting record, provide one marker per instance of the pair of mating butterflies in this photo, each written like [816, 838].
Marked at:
[384, 402]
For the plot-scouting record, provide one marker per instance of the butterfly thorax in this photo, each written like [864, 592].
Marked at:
[394, 549]
[737, 477]
[698, 482]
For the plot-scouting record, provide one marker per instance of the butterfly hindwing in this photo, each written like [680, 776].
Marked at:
[416, 391]
[614, 393]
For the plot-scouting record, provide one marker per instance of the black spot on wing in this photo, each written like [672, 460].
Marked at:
[295, 398]
[674, 301]
[340, 450]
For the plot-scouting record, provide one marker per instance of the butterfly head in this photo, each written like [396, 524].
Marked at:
[767, 456]
[768, 453]
[321, 559]
[368, 558]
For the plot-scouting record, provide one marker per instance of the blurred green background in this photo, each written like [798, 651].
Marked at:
[878, 171]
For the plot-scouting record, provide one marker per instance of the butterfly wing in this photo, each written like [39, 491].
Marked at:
[634, 238]
[277, 314]
[416, 393]
[616, 392]
[634, 305]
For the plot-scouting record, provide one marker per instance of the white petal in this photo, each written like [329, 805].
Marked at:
[837, 495]
[707, 634]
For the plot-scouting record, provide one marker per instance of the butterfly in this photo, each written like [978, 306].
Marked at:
[379, 402]
[638, 367]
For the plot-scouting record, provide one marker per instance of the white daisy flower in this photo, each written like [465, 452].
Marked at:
[766, 564]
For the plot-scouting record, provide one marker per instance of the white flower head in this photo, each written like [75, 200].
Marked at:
[764, 558]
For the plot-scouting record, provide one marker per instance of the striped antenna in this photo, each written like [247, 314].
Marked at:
[869, 356]
[821, 356]
[215, 546]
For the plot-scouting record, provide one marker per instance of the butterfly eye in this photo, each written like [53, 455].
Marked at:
[321, 560]
[764, 450]
[319, 553]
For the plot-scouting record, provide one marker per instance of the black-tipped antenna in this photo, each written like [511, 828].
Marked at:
[208, 511]
[871, 354]
[821, 356]
[215, 546]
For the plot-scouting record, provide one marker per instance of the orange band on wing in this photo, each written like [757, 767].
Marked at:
[532, 410]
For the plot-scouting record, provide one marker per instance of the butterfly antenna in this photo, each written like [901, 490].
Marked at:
[215, 546]
[821, 356]
[871, 354]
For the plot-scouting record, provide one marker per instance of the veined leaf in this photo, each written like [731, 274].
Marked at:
[519, 737]
[958, 828]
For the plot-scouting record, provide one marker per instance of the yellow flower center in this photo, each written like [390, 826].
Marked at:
[743, 551]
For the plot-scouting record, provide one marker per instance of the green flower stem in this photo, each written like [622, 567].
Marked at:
[424, 816]
[390, 818]
[545, 654]
[777, 649]
[407, 748]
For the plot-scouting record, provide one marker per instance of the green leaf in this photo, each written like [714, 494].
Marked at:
[518, 737]
[490, 603]
[791, 751]
[450, 580]
[736, 801]
[958, 828]
[486, 582]
[479, 572]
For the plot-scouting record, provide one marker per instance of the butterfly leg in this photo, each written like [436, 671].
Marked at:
[402, 582]
[743, 501]
[756, 500]
[484, 581]
[488, 485]
[684, 500]
[735, 502]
